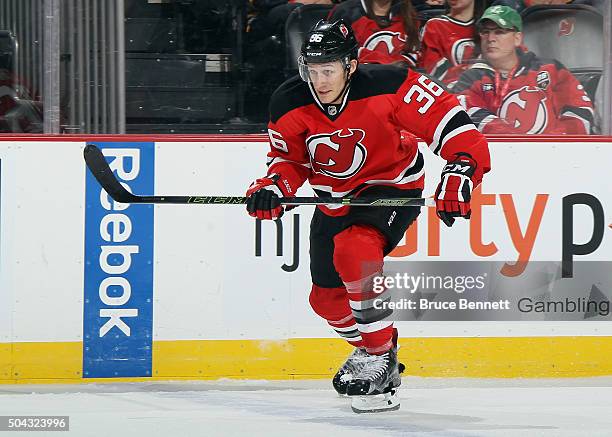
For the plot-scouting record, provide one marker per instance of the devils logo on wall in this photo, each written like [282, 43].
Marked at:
[566, 26]
[525, 109]
[340, 154]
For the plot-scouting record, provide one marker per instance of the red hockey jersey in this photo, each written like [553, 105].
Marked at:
[380, 45]
[447, 45]
[342, 149]
[541, 97]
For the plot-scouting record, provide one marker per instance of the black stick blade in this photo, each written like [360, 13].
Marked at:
[99, 168]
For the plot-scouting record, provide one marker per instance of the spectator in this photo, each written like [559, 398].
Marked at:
[513, 91]
[386, 30]
[448, 42]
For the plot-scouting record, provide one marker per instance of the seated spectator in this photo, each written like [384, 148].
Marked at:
[448, 41]
[386, 30]
[514, 91]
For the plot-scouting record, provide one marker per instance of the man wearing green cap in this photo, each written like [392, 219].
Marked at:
[512, 90]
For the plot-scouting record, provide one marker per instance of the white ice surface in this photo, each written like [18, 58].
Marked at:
[430, 407]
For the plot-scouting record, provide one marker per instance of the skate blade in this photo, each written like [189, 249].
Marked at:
[376, 403]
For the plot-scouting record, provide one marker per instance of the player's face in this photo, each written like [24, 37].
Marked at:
[328, 80]
[498, 44]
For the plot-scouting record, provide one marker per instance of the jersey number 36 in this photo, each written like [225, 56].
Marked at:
[428, 92]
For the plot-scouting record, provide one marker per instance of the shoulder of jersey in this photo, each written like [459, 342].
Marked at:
[349, 10]
[377, 79]
[291, 94]
[480, 69]
[432, 26]
[473, 74]
[437, 22]
[443, 23]
[534, 62]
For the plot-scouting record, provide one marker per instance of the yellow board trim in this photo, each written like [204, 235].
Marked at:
[302, 358]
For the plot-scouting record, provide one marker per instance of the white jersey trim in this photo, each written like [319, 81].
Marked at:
[486, 121]
[277, 160]
[434, 70]
[330, 190]
[454, 133]
[438, 132]
[587, 124]
[399, 180]
[458, 22]
[473, 110]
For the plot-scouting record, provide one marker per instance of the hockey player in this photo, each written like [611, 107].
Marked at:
[448, 41]
[386, 30]
[513, 91]
[338, 126]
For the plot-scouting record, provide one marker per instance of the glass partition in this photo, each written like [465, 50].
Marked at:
[210, 66]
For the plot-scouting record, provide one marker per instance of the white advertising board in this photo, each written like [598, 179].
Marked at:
[208, 282]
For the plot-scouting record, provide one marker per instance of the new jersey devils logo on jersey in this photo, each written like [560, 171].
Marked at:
[340, 154]
[391, 41]
[463, 50]
[525, 109]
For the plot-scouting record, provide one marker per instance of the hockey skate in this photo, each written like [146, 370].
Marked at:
[375, 387]
[353, 364]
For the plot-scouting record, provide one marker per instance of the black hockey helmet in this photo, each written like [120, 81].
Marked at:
[328, 42]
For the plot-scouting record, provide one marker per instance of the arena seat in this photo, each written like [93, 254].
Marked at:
[573, 35]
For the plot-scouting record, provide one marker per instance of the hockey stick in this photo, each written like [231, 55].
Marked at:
[97, 164]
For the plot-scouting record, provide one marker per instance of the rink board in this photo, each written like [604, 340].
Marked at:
[220, 309]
